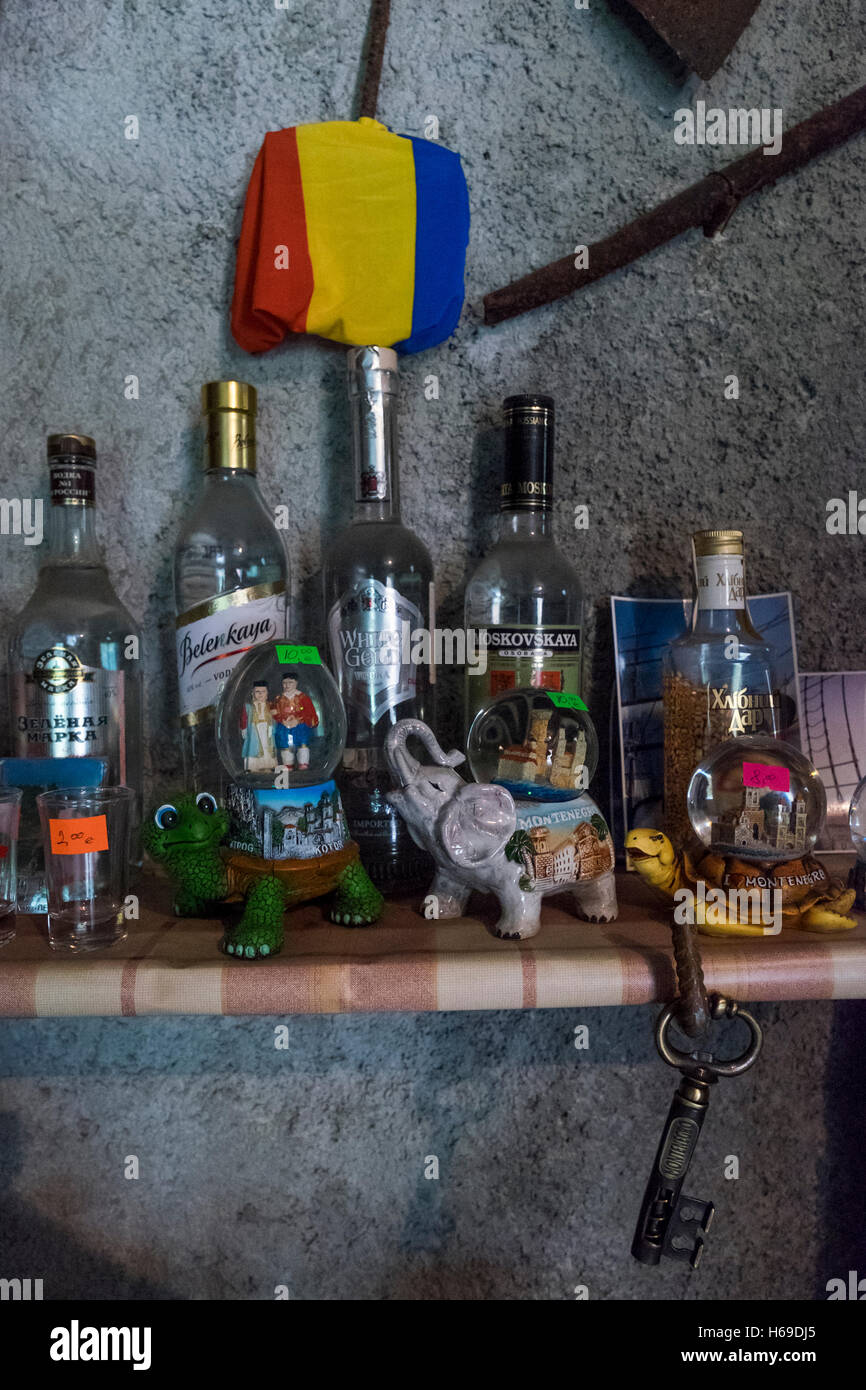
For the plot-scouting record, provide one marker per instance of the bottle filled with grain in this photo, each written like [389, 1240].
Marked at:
[718, 678]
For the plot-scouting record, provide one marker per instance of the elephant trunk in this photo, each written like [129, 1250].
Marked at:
[400, 761]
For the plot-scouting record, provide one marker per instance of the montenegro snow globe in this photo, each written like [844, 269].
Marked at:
[757, 798]
[541, 745]
[281, 729]
[756, 806]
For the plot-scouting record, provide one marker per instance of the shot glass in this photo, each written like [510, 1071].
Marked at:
[10, 815]
[86, 835]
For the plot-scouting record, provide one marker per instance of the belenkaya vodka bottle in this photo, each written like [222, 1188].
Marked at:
[231, 575]
[525, 598]
[74, 651]
[378, 583]
[718, 679]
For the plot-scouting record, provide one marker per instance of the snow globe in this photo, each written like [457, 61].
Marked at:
[857, 827]
[282, 836]
[542, 747]
[757, 798]
[756, 806]
[280, 731]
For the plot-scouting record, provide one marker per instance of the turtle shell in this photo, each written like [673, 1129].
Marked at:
[803, 881]
[304, 878]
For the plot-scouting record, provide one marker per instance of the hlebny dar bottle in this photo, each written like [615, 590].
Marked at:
[378, 582]
[74, 650]
[231, 575]
[718, 680]
[525, 598]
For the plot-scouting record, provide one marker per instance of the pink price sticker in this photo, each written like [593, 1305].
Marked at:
[774, 779]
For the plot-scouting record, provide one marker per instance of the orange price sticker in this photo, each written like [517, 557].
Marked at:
[78, 835]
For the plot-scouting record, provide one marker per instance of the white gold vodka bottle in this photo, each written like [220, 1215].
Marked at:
[75, 651]
[378, 583]
[231, 575]
[525, 598]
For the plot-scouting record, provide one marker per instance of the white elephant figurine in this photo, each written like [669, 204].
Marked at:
[474, 833]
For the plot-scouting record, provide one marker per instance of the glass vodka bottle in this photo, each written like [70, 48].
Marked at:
[718, 680]
[525, 598]
[231, 575]
[74, 656]
[378, 583]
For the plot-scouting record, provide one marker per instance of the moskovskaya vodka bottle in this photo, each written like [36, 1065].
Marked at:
[74, 651]
[231, 575]
[525, 598]
[378, 583]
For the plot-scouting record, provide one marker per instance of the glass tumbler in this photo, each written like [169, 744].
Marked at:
[86, 832]
[10, 814]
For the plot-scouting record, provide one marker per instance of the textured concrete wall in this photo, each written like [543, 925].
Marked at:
[260, 1167]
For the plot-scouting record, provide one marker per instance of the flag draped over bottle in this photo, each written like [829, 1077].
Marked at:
[353, 233]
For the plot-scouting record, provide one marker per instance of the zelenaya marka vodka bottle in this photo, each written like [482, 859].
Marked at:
[718, 678]
[75, 651]
[378, 582]
[231, 575]
[525, 599]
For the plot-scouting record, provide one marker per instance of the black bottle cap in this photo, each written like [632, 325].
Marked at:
[71, 446]
[528, 480]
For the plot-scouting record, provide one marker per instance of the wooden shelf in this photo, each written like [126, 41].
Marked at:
[172, 966]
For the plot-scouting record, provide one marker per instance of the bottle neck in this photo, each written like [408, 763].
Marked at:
[230, 441]
[231, 477]
[526, 524]
[72, 516]
[721, 595]
[374, 456]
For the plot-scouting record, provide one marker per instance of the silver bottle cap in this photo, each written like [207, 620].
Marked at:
[372, 369]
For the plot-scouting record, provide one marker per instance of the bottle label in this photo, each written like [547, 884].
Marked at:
[749, 711]
[721, 581]
[371, 482]
[64, 709]
[72, 485]
[546, 657]
[368, 628]
[213, 636]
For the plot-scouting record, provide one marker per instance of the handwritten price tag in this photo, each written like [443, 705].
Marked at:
[563, 700]
[78, 835]
[774, 779]
[294, 655]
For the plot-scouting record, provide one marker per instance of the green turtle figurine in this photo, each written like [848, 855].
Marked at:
[282, 837]
[187, 834]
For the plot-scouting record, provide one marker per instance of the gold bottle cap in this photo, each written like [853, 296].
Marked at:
[229, 408]
[71, 446]
[228, 395]
[718, 542]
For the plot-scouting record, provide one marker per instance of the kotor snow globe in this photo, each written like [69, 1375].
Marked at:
[757, 798]
[281, 728]
[282, 837]
[280, 713]
[539, 744]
